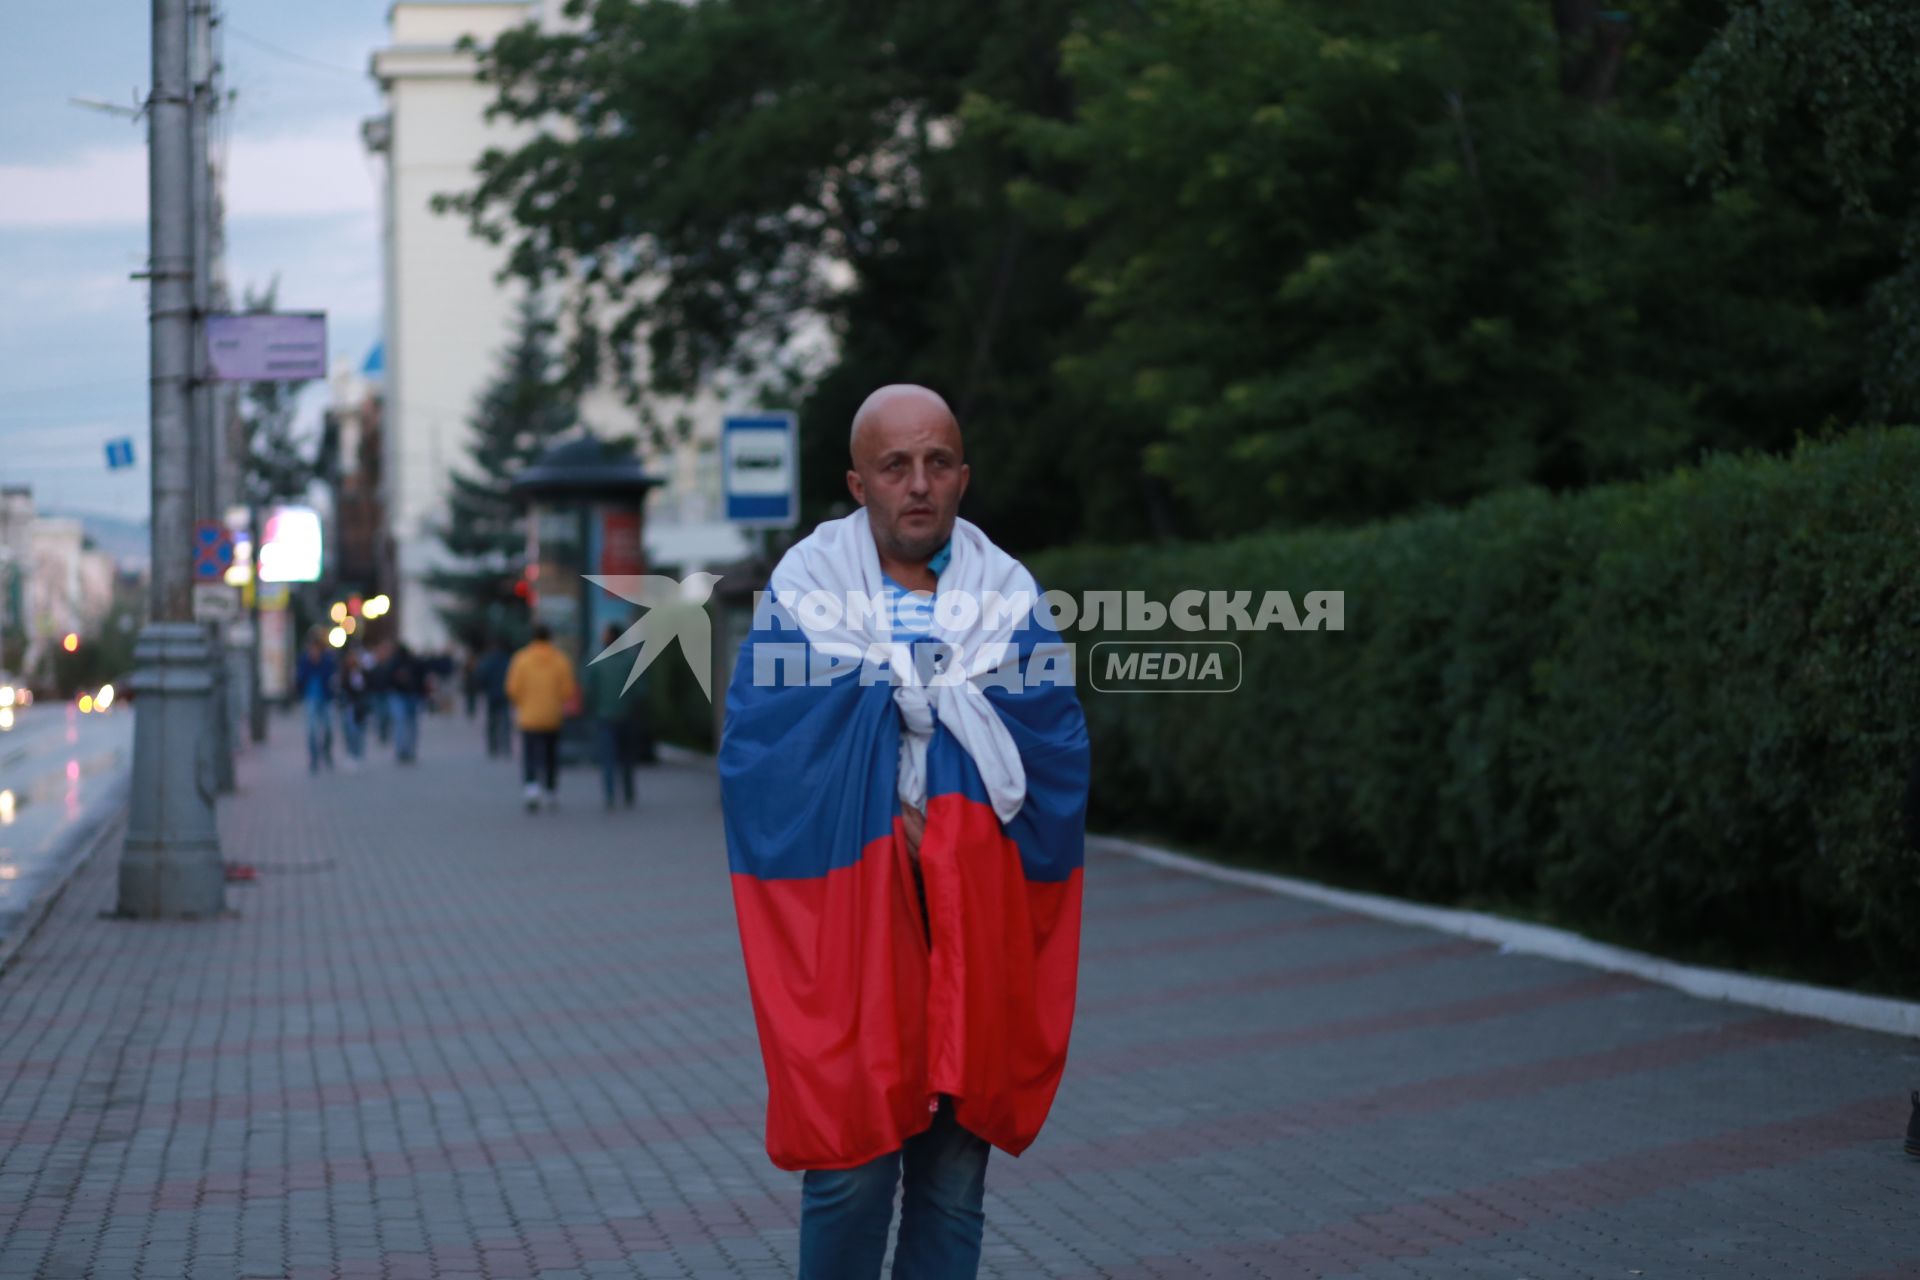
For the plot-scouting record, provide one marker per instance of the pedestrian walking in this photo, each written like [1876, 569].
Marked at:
[470, 681]
[908, 899]
[406, 685]
[491, 675]
[380, 690]
[352, 686]
[540, 682]
[612, 711]
[314, 677]
[439, 683]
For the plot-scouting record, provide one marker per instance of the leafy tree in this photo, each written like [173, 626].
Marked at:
[1399, 254]
[727, 222]
[1204, 265]
[515, 419]
[1828, 89]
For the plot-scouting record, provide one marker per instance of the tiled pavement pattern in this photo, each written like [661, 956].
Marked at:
[443, 1037]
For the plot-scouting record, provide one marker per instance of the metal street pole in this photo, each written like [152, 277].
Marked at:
[256, 701]
[171, 865]
[206, 451]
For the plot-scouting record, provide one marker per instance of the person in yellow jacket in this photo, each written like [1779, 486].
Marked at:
[541, 686]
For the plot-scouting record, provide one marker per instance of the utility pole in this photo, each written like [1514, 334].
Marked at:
[171, 864]
[206, 448]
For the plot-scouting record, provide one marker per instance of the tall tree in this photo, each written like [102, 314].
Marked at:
[728, 221]
[1210, 265]
[515, 419]
[1350, 257]
[1829, 91]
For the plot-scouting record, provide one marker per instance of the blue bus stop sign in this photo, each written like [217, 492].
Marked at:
[760, 469]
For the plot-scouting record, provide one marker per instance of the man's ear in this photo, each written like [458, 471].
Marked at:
[856, 487]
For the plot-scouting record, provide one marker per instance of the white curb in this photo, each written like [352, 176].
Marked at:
[1872, 1013]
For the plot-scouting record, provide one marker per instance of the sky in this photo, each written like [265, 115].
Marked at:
[302, 205]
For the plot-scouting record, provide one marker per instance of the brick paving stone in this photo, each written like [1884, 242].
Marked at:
[442, 1037]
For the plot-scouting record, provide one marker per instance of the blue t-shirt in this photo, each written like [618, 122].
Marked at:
[911, 612]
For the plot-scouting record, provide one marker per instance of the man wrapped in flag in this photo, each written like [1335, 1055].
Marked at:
[904, 773]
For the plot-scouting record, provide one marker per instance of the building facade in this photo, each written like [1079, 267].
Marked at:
[449, 316]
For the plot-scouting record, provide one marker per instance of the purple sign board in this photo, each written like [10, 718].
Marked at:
[267, 346]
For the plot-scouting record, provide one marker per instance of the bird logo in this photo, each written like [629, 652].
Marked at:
[676, 610]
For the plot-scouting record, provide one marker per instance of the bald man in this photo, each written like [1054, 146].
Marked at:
[909, 471]
[913, 984]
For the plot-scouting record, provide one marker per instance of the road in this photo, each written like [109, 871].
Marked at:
[56, 765]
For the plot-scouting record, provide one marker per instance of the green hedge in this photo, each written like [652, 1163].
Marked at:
[1679, 714]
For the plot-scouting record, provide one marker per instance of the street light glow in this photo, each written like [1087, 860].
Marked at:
[71, 643]
[337, 637]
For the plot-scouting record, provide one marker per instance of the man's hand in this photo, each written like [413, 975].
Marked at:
[916, 824]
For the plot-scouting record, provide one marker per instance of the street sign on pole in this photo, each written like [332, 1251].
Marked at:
[215, 602]
[212, 551]
[760, 469]
[288, 346]
[119, 453]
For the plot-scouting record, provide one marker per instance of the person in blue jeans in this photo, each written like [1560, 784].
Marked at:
[845, 1214]
[491, 675]
[314, 676]
[611, 704]
[406, 682]
[352, 686]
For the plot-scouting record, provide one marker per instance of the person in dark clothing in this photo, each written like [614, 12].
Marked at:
[490, 674]
[470, 681]
[351, 687]
[380, 690]
[606, 701]
[406, 683]
[438, 669]
[314, 677]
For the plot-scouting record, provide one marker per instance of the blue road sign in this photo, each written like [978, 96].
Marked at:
[212, 550]
[760, 469]
[119, 453]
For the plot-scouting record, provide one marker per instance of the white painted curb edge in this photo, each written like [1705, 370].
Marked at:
[1872, 1013]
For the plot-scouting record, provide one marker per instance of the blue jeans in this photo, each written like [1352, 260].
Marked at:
[845, 1214]
[319, 735]
[610, 739]
[499, 728]
[353, 731]
[406, 725]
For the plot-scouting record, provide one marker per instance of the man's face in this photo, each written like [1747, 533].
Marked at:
[909, 472]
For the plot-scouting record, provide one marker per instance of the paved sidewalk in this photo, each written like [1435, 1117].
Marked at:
[444, 1037]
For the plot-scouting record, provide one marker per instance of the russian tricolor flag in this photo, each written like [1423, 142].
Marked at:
[865, 1017]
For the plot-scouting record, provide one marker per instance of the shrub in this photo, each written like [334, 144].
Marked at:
[1677, 713]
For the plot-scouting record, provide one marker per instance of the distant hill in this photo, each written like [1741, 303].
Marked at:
[121, 538]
